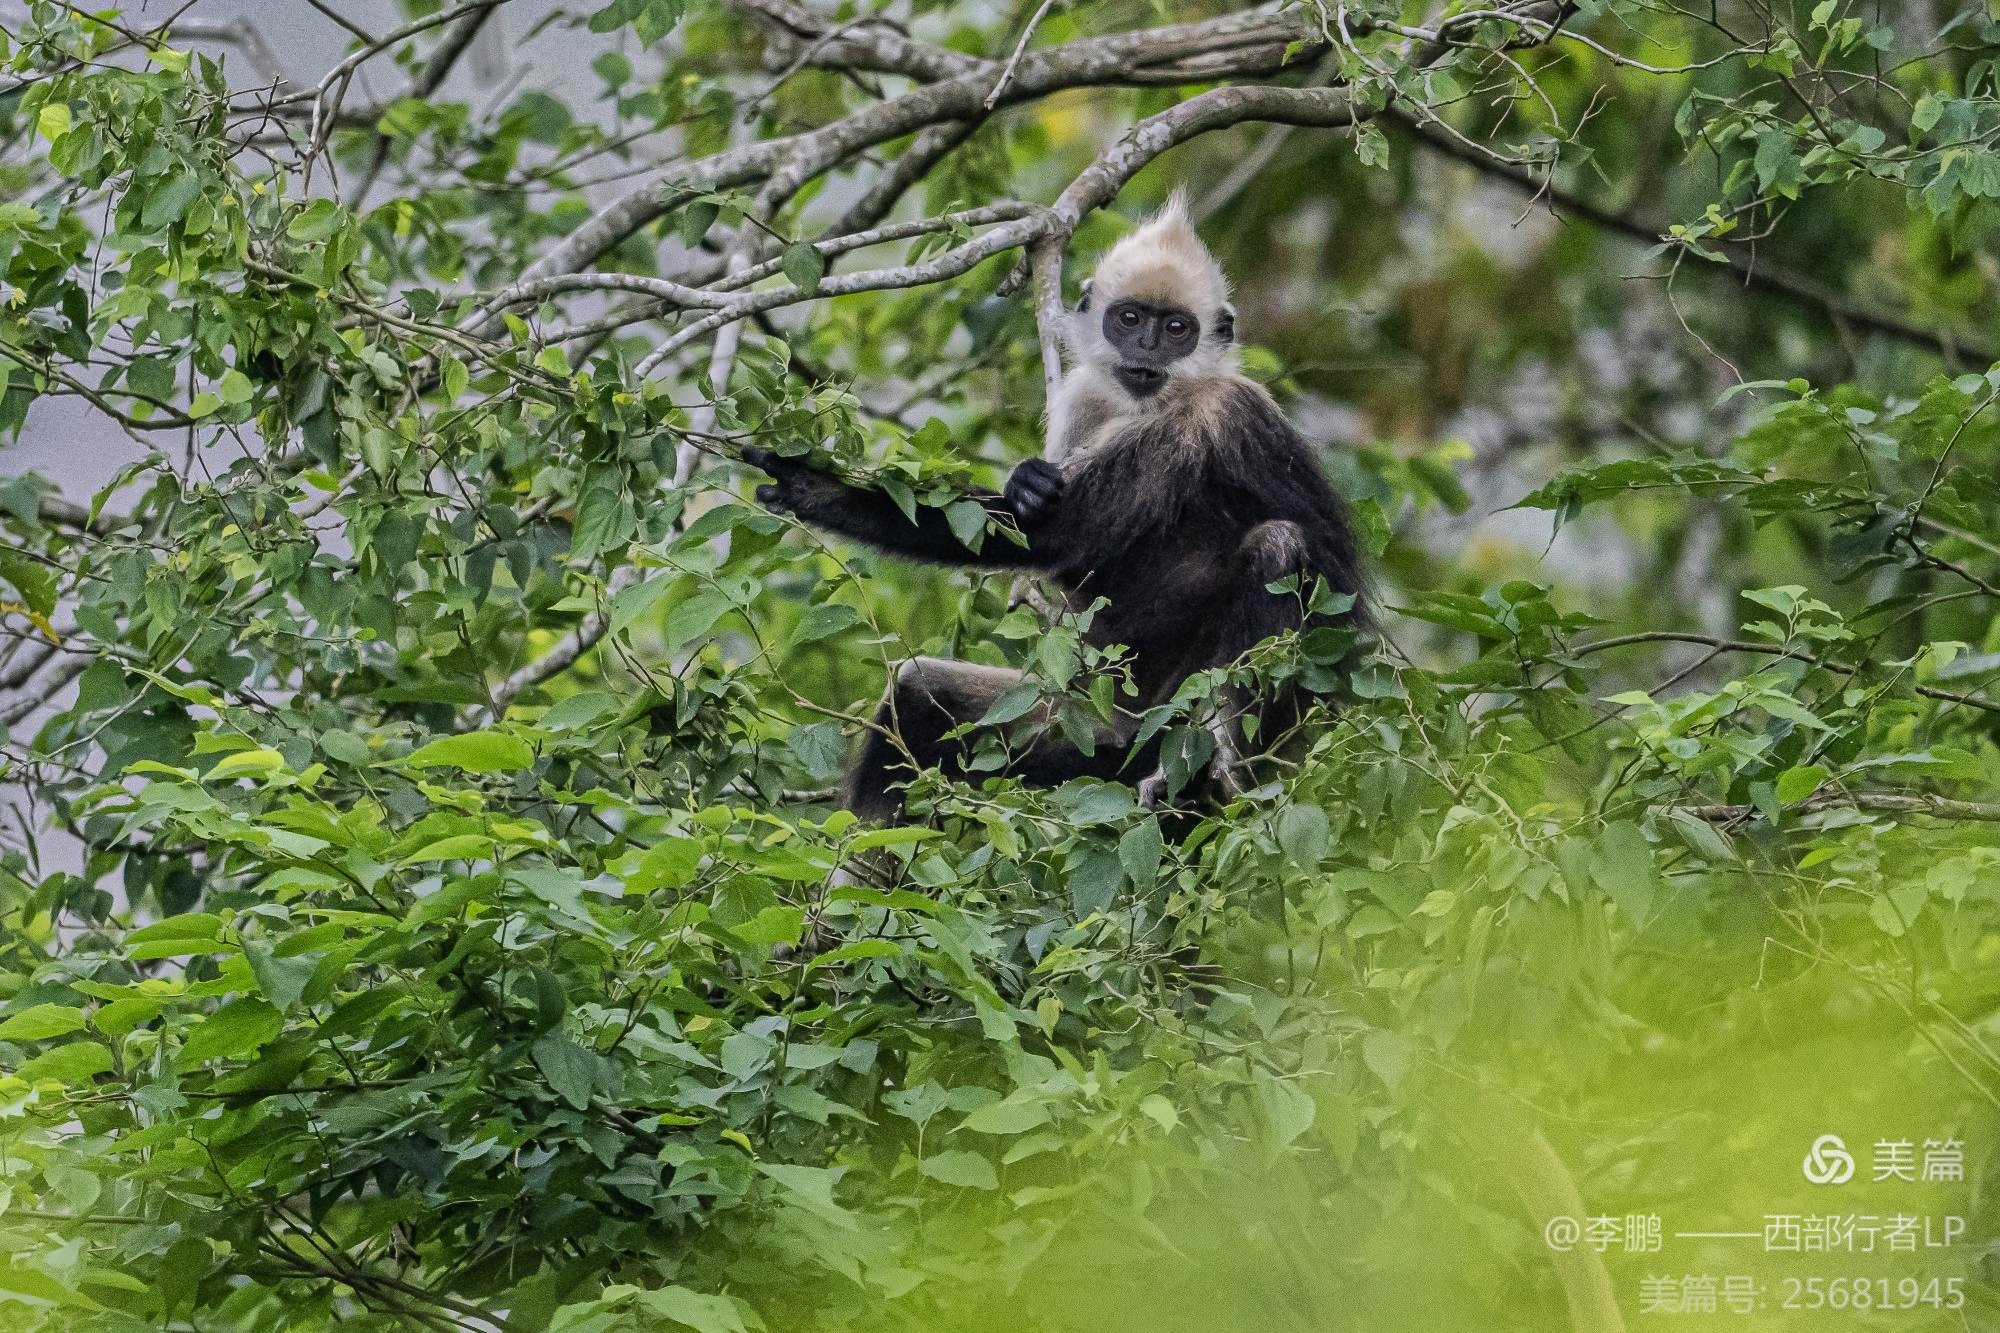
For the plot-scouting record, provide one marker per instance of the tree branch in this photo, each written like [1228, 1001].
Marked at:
[429, 79]
[1020, 48]
[1241, 44]
[1045, 262]
[1935, 807]
[1769, 650]
[873, 45]
[1763, 276]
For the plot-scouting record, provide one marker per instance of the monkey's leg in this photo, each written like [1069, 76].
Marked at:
[929, 697]
[932, 696]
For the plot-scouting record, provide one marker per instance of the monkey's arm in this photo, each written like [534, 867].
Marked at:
[1249, 612]
[825, 501]
[1297, 525]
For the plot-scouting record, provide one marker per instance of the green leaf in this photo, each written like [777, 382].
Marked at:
[1007, 1117]
[52, 122]
[475, 752]
[235, 387]
[1139, 851]
[1702, 837]
[824, 621]
[1796, 784]
[1094, 874]
[232, 1032]
[282, 980]
[33, 580]
[819, 746]
[695, 617]
[72, 1062]
[633, 603]
[696, 1310]
[578, 710]
[1288, 1109]
[191, 932]
[321, 219]
[803, 265]
[42, 1021]
[1014, 702]
[967, 1169]
[456, 847]
[40, 1287]
[247, 763]
[171, 201]
[1388, 1055]
[1303, 832]
[1896, 910]
[570, 1069]
[967, 520]
[1622, 865]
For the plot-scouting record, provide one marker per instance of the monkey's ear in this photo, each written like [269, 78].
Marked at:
[1083, 300]
[1225, 323]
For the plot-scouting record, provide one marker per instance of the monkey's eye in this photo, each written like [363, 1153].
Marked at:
[1129, 318]
[1177, 328]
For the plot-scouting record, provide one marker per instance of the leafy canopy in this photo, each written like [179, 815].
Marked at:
[422, 909]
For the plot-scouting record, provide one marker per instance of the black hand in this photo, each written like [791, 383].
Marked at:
[1032, 491]
[790, 477]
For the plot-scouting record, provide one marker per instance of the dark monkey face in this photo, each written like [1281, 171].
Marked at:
[1148, 336]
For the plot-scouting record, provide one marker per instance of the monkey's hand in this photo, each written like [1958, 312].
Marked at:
[1032, 491]
[797, 487]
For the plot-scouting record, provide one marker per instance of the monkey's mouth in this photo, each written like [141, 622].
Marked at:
[1141, 381]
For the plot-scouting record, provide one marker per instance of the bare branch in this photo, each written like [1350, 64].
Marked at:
[40, 692]
[915, 163]
[842, 243]
[1890, 803]
[872, 44]
[660, 289]
[25, 663]
[1045, 259]
[1215, 109]
[68, 514]
[950, 264]
[340, 75]
[1097, 185]
[1243, 44]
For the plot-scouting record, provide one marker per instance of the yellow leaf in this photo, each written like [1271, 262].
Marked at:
[35, 618]
[53, 120]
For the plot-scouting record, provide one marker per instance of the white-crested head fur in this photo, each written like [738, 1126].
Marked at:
[1162, 261]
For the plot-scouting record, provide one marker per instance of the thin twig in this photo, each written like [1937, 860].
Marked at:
[1020, 49]
[1769, 650]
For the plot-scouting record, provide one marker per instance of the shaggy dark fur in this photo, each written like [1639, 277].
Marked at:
[1178, 520]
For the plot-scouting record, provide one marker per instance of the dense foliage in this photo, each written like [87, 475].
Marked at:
[420, 903]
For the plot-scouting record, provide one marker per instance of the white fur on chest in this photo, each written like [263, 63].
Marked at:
[1091, 410]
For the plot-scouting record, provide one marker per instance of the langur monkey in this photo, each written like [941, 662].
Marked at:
[1172, 487]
